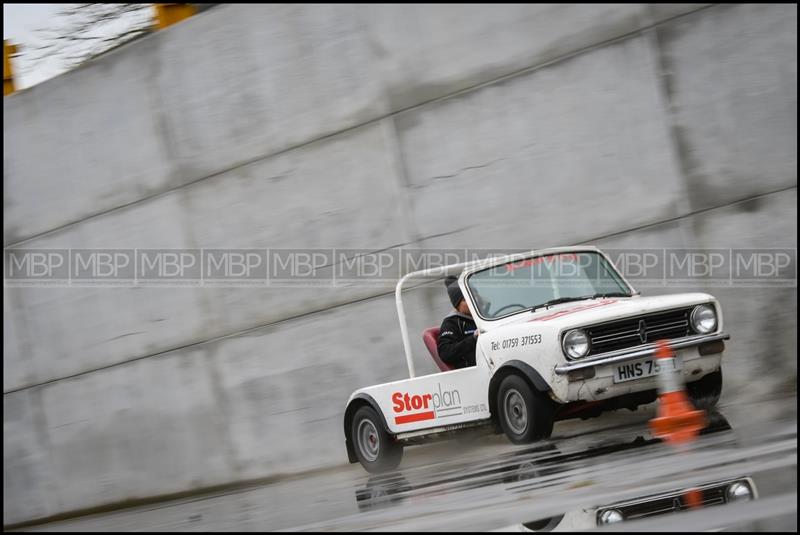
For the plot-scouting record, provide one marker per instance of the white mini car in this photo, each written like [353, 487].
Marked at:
[727, 491]
[561, 335]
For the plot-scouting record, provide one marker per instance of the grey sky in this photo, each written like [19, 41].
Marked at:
[19, 24]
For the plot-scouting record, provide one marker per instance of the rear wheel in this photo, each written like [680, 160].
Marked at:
[376, 450]
[381, 490]
[525, 415]
[705, 393]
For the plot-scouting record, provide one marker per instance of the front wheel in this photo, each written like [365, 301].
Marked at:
[376, 450]
[525, 415]
[705, 392]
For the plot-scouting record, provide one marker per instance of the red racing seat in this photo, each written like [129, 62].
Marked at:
[431, 338]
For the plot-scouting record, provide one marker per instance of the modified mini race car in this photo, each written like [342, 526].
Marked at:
[562, 335]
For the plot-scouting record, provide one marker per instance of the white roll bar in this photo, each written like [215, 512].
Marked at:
[441, 270]
[401, 314]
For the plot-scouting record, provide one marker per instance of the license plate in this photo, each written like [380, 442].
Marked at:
[640, 369]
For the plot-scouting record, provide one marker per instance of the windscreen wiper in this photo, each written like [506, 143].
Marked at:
[560, 300]
[578, 298]
[611, 294]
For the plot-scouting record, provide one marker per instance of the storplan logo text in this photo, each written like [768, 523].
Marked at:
[437, 405]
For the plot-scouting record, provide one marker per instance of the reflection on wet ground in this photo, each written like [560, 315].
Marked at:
[556, 465]
[486, 483]
[539, 467]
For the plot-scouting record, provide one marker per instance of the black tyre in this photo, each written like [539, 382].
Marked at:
[377, 451]
[381, 490]
[705, 392]
[544, 524]
[525, 415]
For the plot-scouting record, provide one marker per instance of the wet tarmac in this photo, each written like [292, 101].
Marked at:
[484, 483]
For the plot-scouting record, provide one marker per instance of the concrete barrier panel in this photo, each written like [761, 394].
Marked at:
[767, 222]
[281, 76]
[429, 51]
[287, 386]
[661, 12]
[149, 427]
[732, 74]
[338, 193]
[569, 152]
[264, 403]
[134, 123]
[17, 368]
[77, 329]
[763, 319]
[83, 143]
[28, 490]
[347, 65]
[349, 192]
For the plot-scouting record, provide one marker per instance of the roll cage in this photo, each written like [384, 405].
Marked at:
[466, 269]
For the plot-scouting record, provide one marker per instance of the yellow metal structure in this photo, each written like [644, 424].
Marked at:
[8, 72]
[169, 14]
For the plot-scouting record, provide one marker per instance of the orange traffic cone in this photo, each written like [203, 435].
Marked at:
[693, 498]
[678, 421]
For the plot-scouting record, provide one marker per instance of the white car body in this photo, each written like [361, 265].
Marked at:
[419, 406]
[653, 506]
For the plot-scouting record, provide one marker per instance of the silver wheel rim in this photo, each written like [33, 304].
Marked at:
[516, 412]
[368, 441]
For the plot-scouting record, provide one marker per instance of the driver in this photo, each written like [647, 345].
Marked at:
[458, 333]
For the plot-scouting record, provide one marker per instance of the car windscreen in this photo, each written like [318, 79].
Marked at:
[523, 284]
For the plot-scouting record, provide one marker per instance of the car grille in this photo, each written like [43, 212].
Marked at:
[635, 331]
[670, 503]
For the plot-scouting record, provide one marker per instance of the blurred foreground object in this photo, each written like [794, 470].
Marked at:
[678, 421]
[9, 50]
[169, 14]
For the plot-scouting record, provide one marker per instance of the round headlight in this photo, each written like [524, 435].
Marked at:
[611, 516]
[704, 319]
[576, 344]
[739, 492]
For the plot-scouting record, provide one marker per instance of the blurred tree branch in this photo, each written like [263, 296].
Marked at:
[85, 31]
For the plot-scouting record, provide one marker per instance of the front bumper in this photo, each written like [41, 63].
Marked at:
[676, 501]
[625, 355]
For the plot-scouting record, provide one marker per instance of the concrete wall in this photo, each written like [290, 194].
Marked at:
[361, 127]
